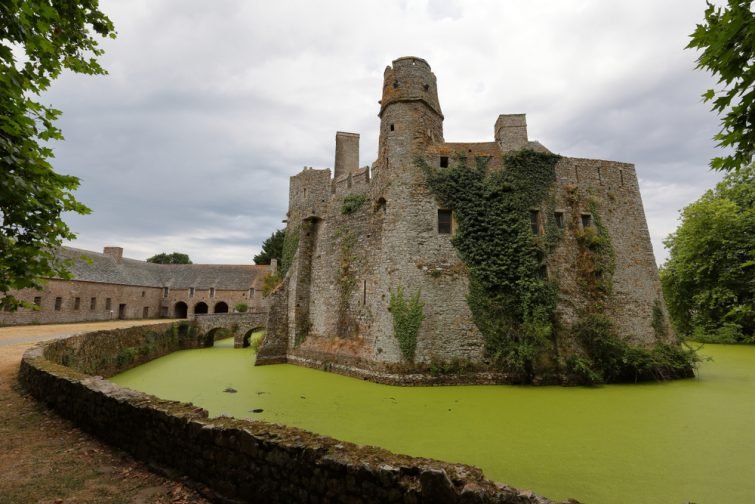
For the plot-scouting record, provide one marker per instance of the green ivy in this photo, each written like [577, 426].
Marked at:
[408, 315]
[512, 303]
[352, 203]
[347, 281]
[611, 359]
[290, 244]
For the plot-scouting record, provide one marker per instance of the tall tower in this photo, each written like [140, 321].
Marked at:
[410, 115]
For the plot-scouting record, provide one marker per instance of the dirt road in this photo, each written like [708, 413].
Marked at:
[45, 459]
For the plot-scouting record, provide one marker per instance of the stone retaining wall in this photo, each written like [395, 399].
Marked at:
[238, 460]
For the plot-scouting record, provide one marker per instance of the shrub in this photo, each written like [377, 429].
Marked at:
[407, 319]
[242, 307]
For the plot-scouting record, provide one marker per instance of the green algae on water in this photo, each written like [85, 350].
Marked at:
[682, 441]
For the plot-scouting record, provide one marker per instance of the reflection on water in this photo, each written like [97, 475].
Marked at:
[690, 440]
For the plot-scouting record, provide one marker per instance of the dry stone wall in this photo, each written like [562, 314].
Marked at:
[237, 460]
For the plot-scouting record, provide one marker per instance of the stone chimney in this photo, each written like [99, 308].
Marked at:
[511, 131]
[347, 154]
[114, 252]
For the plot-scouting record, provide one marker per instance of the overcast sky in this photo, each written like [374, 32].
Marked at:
[187, 145]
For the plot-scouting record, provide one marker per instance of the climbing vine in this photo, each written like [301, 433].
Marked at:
[606, 357]
[511, 300]
[352, 203]
[408, 315]
[290, 244]
[347, 281]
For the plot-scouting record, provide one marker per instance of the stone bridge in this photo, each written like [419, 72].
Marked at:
[242, 325]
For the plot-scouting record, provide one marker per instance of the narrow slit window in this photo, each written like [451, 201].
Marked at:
[444, 221]
[92, 303]
[559, 217]
[444, 161]
[392, 128]
[165, 292]
[364, 292]
[108, 304]
[212, 292]
[535, 221]
[586, 220]
[58, 303]
[191, 292]
[76, 303]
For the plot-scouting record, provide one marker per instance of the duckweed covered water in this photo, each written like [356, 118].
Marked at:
[684, 441]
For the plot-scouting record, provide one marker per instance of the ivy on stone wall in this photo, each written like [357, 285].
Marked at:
[352, 203]
[606, 357]
[511, 300]
[347, 281]
[407, 315]
[290, 244]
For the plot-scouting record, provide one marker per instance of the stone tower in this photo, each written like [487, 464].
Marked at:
[410, 114]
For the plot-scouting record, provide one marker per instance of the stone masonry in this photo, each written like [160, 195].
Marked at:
[109, 286]
[332, 311]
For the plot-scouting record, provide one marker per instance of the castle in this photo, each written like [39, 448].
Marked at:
[380, 276]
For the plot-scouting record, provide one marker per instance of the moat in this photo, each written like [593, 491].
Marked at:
[688, 440]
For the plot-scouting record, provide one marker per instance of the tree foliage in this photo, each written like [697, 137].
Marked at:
[272, 248]
[709, 279]
[38, 40]
[727, 41]
[174, 258]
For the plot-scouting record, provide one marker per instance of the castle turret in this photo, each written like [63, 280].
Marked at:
[410, 114]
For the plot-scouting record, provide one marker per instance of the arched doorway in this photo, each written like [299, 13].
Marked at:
[200, 308]
[180, 310]
[221, 307]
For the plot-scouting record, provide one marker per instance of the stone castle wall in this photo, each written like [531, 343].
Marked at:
[348, 264]
[237, 460]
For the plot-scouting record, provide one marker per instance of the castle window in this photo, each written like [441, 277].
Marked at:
[38, 301]
[58, 303]
[559, 216]
[392, 128]
[542, 271]
[586, 220]
[535, 221]
[143, 293]
[251, 294]
[165, 292]
[108, 304]
[444, 161]
[92, 303]
[191, 292]
[395, 84]
[445, 220]
[76, 303]
[212, 292]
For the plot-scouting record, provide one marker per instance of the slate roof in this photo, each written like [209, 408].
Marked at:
[104, 268]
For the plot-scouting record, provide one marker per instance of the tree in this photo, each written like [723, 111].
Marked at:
[174, 258]
[272, 248]
[709, 278]
[38, 40]
[727, 41]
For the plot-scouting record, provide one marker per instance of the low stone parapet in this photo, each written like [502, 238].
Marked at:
[237, 460]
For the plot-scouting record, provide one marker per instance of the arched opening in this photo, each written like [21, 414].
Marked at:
[253, 337]
[221, 307]
[180, 310]
[200, 308]
[219, 337]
